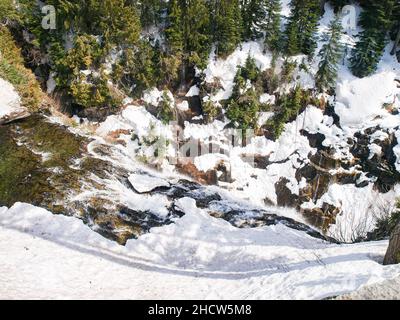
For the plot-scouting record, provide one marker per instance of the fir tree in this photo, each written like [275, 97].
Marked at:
[330, 55]
[226, 25]
[272, 24]
[253, 15]
[376, 22]
[396, 27]
[302, 26]
[196, 31]
[174, 29]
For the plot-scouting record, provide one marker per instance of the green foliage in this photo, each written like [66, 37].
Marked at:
[302, 26]
[330, 55]
[289, 107]
[210, 110]
[288, 69]
[95, 28]
[272, 24]
[8, 11]
[250, 70]
[165, 109]
[13, 70]
[243, 112]
[244, 106]
[376, 23]
[226, 25]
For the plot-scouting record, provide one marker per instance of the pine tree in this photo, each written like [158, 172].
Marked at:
[396, 27]
[174, 29]
[376, 22]
[150, 12]
[226, 25]
[196, 31]
[272, 24]
[302, 26]
[253, 15]
[330, 55]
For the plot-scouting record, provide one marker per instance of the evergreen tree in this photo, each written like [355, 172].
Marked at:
[396, 27]
[376, 22]
[253, 15]
[272, 24]
[330, 55]
[302, 26]
[150, 12]
[226, 25]
[174, 29]
[196, 30]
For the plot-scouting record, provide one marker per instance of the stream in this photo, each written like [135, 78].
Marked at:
[45, 164]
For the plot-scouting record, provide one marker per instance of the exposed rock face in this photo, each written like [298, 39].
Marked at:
[324, 168]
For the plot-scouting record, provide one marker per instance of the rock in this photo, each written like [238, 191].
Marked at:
[16, 114]
[208, 178]
[259, 218]
[10, 104]
[285, 197]
[321, 217]
[143, 183]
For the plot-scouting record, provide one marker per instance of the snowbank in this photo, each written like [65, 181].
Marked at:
[45, 256]
[362, 99]
[225, 70]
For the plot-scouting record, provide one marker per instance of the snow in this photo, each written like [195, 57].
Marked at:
[361, 99]
[209, 161]
[144, 183]
[360, 209]
[183, 106]
[225, 70]
[45, 256]
[10, 101]
[193, 91]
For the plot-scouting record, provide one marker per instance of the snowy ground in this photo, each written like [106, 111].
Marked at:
[10, 102]
[47, 256]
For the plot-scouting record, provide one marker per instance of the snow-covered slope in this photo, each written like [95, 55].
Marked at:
[48, 256]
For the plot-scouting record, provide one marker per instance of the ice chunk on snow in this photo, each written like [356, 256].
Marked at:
[193, 91]
[144, 183]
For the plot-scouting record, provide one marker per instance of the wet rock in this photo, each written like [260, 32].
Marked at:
[285, 197]
[208, 178]
[17, 114]
[315, 140]
[94, 114]
[260, 218]
[321, 217]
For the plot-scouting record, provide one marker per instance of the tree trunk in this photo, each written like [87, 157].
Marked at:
[396, 43]
[393, 253]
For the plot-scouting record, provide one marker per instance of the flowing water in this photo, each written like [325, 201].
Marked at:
[47, 165]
